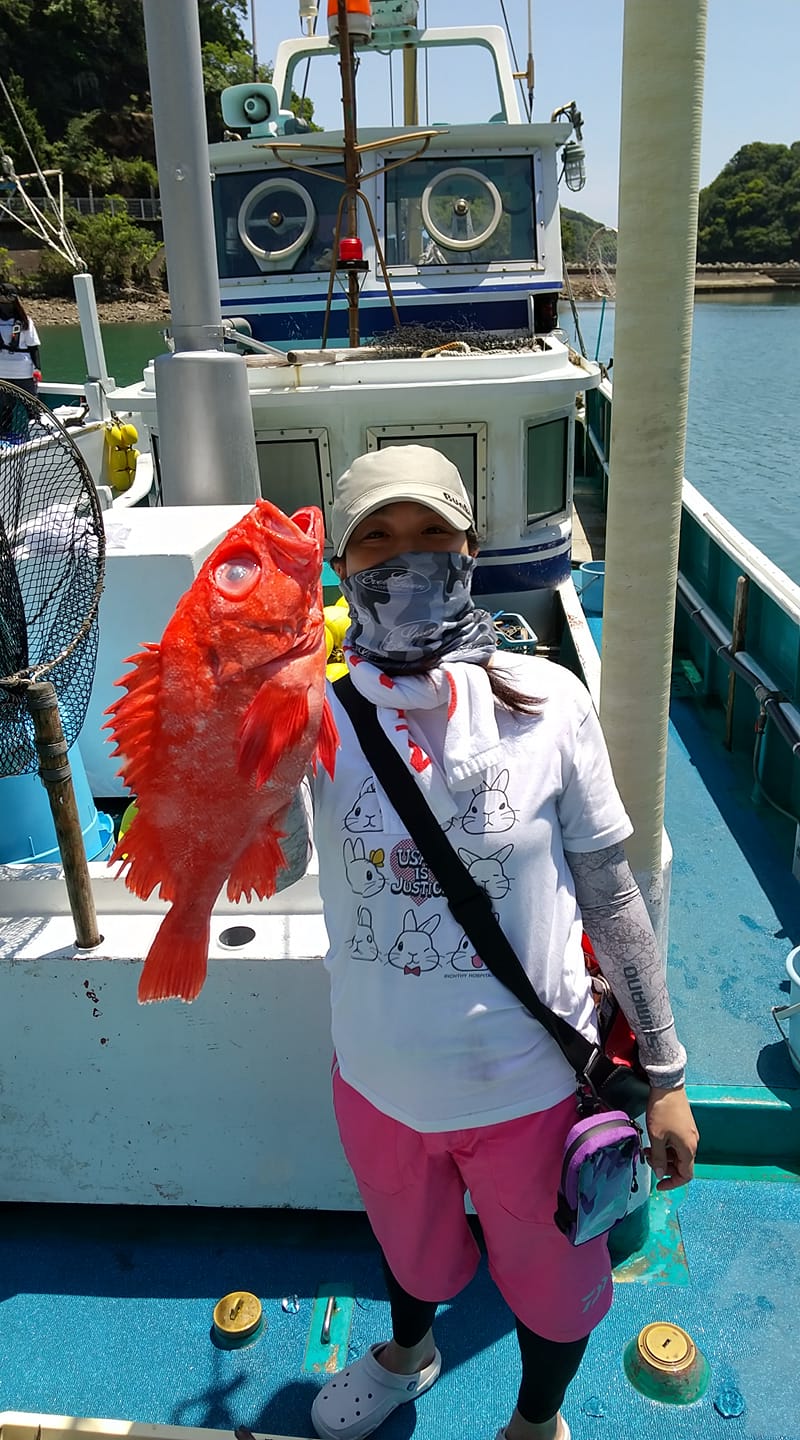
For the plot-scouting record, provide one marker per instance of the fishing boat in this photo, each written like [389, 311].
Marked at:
[423, 308]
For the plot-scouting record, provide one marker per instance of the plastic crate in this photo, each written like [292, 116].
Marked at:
[514, 633]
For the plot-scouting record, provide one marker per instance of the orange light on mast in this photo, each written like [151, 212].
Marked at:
[359, 19]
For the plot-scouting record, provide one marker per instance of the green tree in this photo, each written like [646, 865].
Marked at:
[751, 212]
[116, 251]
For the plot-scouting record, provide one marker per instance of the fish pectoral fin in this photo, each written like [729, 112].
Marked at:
[258, 866]
[275, 720]
[328, 742]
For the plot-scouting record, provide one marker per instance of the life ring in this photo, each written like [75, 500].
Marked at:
[472, 242]
[253, 198]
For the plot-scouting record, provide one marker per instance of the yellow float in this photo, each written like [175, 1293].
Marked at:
[337, 619]
[120, 454]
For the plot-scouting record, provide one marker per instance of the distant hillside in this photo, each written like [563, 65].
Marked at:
[579, 232]
[751, 212]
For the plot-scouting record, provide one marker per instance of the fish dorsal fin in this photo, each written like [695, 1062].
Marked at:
[134, 716]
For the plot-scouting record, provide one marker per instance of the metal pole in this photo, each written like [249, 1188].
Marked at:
[410, 87]
[253, 33]
[56, 775]
[172, 33]
[206, 440]
[662, 96]
[352, 164]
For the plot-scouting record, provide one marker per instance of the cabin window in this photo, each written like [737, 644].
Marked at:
[294, 468]
[463, 444]
[461, 212]
[274, 221]
[547, 469]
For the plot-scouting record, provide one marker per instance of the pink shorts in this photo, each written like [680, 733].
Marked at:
[413, 1188]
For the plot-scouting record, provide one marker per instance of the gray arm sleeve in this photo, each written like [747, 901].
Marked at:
[618, 925]
[296, 845]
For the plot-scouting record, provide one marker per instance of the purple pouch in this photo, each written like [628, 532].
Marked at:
[598, 1175]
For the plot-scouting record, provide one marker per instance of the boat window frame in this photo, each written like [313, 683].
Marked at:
[533, 422]
[477, 428]
[269, 272]
[319, 434]
[462, 157]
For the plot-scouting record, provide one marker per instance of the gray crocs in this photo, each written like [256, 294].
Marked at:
[357, 1400]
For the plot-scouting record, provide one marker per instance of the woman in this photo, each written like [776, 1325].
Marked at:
[19, 353]
[442, 1080]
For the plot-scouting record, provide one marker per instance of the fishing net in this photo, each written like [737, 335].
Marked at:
[601, 262]
[52, 555]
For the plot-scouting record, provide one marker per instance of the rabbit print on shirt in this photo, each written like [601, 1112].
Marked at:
[489, 811]
[362, 870]
[412, 951]
[365, 813]
[487, 871]
[362, 945]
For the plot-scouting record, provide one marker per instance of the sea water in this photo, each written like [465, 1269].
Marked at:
[743, 441]
[743, 431]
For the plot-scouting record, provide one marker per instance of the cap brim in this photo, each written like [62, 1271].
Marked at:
[440, 507]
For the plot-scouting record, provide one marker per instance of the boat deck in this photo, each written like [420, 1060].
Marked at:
[108, 1312]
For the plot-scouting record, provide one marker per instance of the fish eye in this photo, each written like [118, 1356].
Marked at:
[237, 576]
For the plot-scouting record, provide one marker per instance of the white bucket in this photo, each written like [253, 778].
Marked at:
[790, 1014]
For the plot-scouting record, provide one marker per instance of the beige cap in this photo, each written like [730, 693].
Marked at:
[398, 472]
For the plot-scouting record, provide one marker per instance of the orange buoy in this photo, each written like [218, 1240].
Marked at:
[359, 19]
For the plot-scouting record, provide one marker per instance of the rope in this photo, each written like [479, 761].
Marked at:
[574, 309]
[525, 100]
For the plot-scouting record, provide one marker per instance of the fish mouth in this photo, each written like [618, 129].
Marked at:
[298, 539]
[305, 643]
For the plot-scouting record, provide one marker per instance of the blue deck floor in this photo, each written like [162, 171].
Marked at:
[735, 912]
[108, 1313]
[734, 916]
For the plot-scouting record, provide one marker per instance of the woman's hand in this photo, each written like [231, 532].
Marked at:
[673, 1138]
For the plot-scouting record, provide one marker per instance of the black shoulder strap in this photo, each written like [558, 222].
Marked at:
[469, 904]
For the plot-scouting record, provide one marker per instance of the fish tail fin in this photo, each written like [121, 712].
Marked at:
[328, 742]
[176, 963]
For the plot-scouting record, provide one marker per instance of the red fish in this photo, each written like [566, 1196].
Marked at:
[218, 726]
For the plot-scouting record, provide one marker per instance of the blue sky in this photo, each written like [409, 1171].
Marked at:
[751, 83]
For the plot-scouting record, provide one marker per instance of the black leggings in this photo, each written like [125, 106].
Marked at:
[548, 1366]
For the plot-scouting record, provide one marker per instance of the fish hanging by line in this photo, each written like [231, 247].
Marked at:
[218, 726]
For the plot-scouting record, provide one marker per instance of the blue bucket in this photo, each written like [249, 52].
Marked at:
[27, 832]
[592, 586]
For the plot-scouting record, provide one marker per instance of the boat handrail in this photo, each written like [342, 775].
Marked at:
[752, 561]
[291, 53]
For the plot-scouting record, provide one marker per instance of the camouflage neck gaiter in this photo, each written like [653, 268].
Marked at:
[415, 611]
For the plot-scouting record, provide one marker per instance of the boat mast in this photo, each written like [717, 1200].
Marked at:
[352, 162]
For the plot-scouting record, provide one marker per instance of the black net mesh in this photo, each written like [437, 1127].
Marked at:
[411, 341]
[52, 554]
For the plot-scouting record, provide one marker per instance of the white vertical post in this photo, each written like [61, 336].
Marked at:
[662, 92]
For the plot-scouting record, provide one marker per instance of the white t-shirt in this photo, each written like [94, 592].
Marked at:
[17, 364]
[421, 1027]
